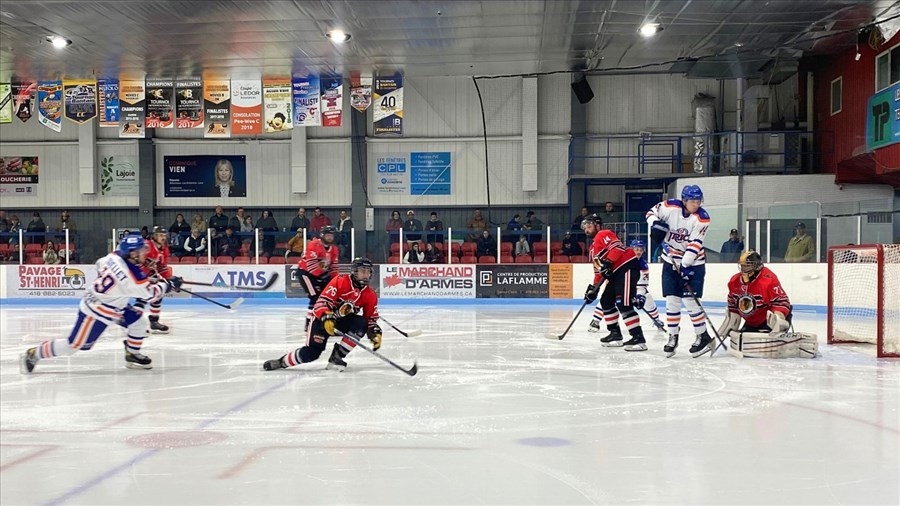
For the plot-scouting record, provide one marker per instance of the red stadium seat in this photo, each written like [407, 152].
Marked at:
[455, 249]
[395, 259]
[487, 259]
[275, 260]
[556, 246]
[507, 259]
[34, 248]
[540, 248]
[280, 245]
[34, 260]
[174, 260]
[506, 248]
[468, 259]
[202, 260]
[242, 260]
[224, 259]
[579, 259]
[188, 260]
[559, 259]
[540, 259]
[395, 249]
[469, 249]
[583, 246]
[262, 260]
[524, 259]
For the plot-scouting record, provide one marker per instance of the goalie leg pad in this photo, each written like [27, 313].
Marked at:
[781, 345]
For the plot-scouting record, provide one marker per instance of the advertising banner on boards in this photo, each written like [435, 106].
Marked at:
[427, 281]
[513, 281]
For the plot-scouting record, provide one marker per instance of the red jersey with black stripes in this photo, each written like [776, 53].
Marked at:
[342, 298]
[319, 259]
[762, 294]
[158, 259]
[606, 246]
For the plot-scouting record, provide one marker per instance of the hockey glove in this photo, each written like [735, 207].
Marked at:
[638, 301]
[687, 273]
[328, 322]
[659, 230]
[776, 322]
[175, 282]
[375, 337]
[605, 268]
[590, 295]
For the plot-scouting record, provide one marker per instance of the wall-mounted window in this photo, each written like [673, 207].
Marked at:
[836, 89]
[887, 68]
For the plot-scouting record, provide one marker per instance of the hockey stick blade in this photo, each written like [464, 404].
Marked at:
[554, 336]
[409, 372]
[236, 303]
[414, 333]
[268, 285]
[411, 333]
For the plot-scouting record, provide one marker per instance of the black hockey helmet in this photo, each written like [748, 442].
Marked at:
[327, 229]
[357, 264]
[750, 264]
[592, 218]
[159, 230]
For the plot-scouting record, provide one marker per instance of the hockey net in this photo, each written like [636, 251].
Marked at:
[864, 296]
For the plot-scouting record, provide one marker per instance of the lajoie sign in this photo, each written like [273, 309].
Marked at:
[513, 281]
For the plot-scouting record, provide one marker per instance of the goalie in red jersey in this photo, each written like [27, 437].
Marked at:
[347, 304]
[157, 266]
[756, 298]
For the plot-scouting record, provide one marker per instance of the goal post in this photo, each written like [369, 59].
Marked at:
[864, 296]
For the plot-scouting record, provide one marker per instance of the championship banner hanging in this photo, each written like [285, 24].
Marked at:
[306, 101]
[50, 104]
[217, 109]
[108, 102]
[19, 176]
[188, 103]
[23, 99]
[160, 103]
[6, 108]
[361, 94]
[81, 100]
[277, 98]
[387, 98]
[332, 100]
[131, 108]
[246, 107]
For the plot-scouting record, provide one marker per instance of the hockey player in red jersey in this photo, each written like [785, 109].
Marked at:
[346, 304]
[755, 296]
[157, 265]
[318, 266]
[616, 263]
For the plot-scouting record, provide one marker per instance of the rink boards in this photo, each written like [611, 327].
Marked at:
[806, 284]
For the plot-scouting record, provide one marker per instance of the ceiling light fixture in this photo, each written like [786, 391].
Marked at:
[58, 42]
[337, 36]
[650, 29]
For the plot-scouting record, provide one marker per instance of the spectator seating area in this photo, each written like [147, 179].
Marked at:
[467, 253]
[34, 253]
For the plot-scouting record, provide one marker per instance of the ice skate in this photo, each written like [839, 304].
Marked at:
[28, 360]
[273, 365]
[614, 339]
[336, 360]
[636, 343]
[670, 346]
[136, 359]
[595, 326]
[156, 327]
[702, 345]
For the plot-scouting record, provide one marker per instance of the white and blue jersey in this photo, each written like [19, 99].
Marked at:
[118, 281]
[683, 244]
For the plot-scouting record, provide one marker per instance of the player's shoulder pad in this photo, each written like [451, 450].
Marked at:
[673, 203]
[702, 215]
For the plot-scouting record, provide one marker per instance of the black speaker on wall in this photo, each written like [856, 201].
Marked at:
[583, 91]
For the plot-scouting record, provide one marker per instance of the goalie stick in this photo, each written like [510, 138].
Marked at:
[268, 284]
[237, 302]
[410, 372]
[559, 337]
[411, 333]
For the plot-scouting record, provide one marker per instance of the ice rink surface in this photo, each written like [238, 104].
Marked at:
[496, 415]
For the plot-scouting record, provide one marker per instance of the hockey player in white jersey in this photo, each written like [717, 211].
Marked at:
[680, 227]
[643, 299]
[119, 279]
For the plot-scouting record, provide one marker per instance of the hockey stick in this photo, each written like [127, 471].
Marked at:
[411, 333]
[268, 284]
[656, 323]
[559, 337]
[233, 305]
[722, 344]
[410, 372]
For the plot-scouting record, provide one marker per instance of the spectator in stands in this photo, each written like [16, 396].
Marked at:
[262, 243]
[14, 226]
[198, 224]
[237, 220]
[432, 255]
[532, 222]
[394, 224]
[732, 248]
[487, 245]
[318, 221]
[413, 255]
[515, 224]
[609, 213]
[218, 222]
[576, 222]
[50, 255]
[300, 221]
[178, 233]
[522, 247]
[66, 223]
[269, 227]
[195, 244]
[476, 225]
[570, 246]
[434, 225]
[4, 222]
[295, 245]
[145, 233]
[229, 245]
[36, 226]
[345, 226]
[410, 227]
[801, 247]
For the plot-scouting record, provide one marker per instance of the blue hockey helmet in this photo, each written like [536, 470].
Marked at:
[637, 243]
[128, 244]
[691, 192]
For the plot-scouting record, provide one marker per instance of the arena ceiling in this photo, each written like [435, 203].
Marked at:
[424, 38]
